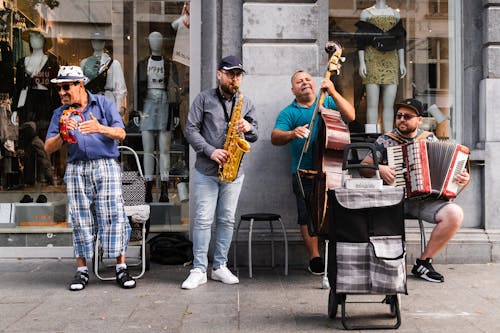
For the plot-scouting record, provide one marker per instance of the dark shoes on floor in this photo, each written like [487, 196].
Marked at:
[27, 199]
[79, 281]
[124, 280]
[424, 270]
[316, 266]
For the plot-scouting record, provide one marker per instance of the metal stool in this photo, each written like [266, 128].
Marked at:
[423, 240]
[260, 217]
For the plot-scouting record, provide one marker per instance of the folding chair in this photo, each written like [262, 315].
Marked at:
[134, 193]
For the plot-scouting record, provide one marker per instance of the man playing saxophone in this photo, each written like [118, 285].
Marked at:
[209, 122]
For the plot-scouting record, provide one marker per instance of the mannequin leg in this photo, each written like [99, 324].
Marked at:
[148, 145]
[372, 96]
[389, 96]
[165, 139]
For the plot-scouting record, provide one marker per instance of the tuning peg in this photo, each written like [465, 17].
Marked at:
[342, 59]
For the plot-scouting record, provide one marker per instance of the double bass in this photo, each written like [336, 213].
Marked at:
[333, 135]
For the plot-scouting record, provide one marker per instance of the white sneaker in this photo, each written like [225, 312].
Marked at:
[224, 275]
[195, 279]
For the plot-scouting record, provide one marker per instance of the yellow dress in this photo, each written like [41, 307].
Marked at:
[381, 67]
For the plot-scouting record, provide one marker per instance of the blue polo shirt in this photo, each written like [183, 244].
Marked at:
[91, 146]
[295, 115]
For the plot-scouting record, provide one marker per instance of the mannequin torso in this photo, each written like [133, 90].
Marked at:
[34, 96]
[109, 70]
[35, 62]
[379, 68]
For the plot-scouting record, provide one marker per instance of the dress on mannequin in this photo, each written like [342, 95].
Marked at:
[105, 73]
[34, 97]
[157, 120]
[381, 59]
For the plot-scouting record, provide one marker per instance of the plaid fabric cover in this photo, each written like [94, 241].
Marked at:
[353, 268]
[375, 267]
[361, 198]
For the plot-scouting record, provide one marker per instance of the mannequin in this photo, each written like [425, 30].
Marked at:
[157, 120]
[381, 59]
[34, 97]
[105, 74]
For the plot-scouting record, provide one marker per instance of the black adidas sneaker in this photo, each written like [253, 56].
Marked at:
[424, 270]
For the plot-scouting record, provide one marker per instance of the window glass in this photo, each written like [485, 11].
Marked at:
[136, 53]
[375, 35]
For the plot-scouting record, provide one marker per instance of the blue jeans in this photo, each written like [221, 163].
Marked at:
[213, 198]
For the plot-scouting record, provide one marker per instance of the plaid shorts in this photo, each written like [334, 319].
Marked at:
[94, 191]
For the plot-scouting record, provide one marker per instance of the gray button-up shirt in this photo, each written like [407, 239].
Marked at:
[206, 127]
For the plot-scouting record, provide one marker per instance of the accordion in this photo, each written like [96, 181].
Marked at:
[426, 168]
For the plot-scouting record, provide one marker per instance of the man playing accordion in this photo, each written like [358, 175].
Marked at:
[446, 215]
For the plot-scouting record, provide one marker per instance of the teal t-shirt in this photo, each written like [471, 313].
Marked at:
[295, 115]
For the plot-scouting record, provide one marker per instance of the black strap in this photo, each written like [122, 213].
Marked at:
[227, 115]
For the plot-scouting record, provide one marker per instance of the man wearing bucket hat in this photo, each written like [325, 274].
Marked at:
[93, 176]
[446, 215]
[205, 130]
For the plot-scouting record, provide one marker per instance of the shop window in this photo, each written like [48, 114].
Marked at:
[111, 41]
[375, 35]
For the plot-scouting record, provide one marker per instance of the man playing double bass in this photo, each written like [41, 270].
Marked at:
[292, 127]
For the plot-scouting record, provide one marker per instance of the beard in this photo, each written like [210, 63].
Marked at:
[406, 130]
[230, 89]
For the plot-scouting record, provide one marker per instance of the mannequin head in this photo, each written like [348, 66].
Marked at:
[36, 40]
[97, 45]
[98, 41]
[155, 40]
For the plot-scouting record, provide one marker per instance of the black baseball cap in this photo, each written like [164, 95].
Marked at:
[231, 62]
[413, 104]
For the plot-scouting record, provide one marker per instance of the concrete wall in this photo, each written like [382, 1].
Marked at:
[489, 88]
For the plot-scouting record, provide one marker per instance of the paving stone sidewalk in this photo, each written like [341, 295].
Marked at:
[34, 298]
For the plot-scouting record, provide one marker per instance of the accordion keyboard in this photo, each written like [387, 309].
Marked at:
[395, 158]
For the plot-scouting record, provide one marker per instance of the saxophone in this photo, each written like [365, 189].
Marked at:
[235, 145]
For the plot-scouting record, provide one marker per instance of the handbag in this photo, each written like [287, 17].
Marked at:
[133, 188]
[134, 194]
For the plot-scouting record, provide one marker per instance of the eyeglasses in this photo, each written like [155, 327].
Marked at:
[406, 116]
[66, 86]
[233, 75]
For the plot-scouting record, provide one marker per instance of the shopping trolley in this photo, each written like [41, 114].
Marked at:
[134, 196]
[367, 254]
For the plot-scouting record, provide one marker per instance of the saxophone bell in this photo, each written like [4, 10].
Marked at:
[243, 145]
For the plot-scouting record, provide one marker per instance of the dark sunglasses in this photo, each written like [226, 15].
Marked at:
[405, 116]
[66, 86]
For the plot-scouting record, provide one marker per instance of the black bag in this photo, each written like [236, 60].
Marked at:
[133, 188]
[171, 249]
